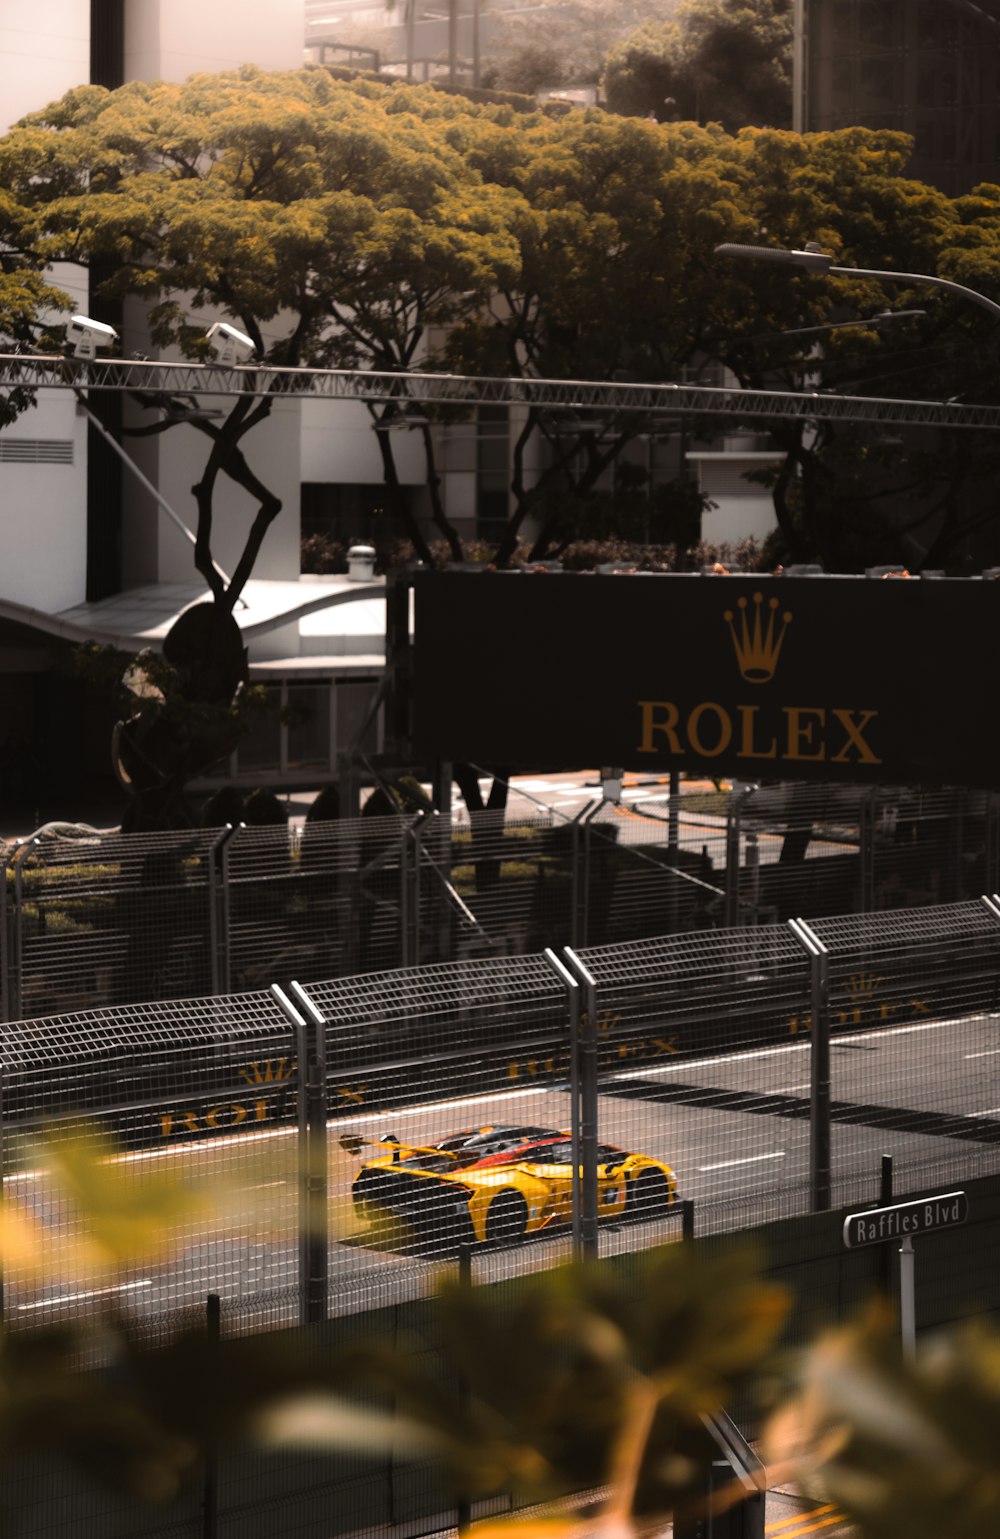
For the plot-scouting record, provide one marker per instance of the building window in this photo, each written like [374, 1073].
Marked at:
[354, 700]
[492, 470]
[260, 745]
[307, 715]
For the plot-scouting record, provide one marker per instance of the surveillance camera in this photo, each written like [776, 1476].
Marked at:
[231, 346]
[86, 336]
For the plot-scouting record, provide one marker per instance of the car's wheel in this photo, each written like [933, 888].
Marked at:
[649, 1194]
[507, 1219]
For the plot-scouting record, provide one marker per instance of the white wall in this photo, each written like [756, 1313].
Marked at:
[155, 550]
[43, 512]
[44, 50]
[738, 518]
[172, 39]
[338, 444]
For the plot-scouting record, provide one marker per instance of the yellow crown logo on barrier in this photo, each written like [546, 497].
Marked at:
[757, 640]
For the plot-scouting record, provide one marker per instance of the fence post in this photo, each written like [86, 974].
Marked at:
[463, 1506]
[753, 878]
[733, 821]
[576, 925]
[866, 852]
[7, 933]
[674, 847]
[16, 958]
[219, 911]
[820, 1180]
[884, 1200]
[587, 1057]
[992, 841]
[405, 898]
[317, 1238]
[572, 988]
[310, 1039]
[413, 838]
[210, 1489]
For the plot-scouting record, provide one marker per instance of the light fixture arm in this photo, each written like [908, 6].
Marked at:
[930, 278]
[813, 259]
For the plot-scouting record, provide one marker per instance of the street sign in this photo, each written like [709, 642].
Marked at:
[905, 1219]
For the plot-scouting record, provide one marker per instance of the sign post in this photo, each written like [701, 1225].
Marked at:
[901, 1222]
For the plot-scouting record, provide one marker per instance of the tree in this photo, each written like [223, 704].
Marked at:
[726, 61]
[561, 44]
[849, 496]
[614, 281]
[290, 204]
[27, 297]
[571, 1379]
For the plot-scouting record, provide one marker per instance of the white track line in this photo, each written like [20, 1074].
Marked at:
[754, 1159]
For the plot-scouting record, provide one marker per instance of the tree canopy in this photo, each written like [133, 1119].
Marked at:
[725, 61]
[379, 225]
[27, 296]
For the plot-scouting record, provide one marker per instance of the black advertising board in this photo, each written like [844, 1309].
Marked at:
[814, 678]
[905, 1219]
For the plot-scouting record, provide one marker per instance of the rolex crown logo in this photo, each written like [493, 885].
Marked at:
[757, 639]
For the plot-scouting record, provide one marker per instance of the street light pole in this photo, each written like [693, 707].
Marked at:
[813, 259]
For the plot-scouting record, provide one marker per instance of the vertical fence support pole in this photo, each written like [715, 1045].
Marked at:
[884, 1201]
[16, 958]
[349, 786]
[405, 946]
[219, 912]
[7, 934]
[907, 1300]
[3, 1183]
[674, 847]
[820, 1162]
[463, 1506]
[572, 988]
[310, 1038]
[866, 852]
[587, 1039]
[733, 820]
[992, 841]
[753, 878]
[318, 1230]
[210, 1489]
[574, 896]
[414, 837]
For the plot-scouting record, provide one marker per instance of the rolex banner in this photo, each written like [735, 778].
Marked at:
[819, 678]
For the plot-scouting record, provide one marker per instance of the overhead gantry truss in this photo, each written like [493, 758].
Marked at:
[170, 380]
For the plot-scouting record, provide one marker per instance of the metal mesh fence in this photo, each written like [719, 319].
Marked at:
[101, 920]
[689, 1030]
[438, 1076]
[315, 902]
[104, 919]
[914, 1007]
[198, 1099]
[451, 1093]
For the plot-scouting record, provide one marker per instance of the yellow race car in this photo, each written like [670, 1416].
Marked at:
[500, 1184]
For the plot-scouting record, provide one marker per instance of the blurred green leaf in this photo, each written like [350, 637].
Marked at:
[901, 1448]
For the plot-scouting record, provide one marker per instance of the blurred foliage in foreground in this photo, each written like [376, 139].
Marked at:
[583, 1379]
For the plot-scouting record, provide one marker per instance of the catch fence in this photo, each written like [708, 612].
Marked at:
[525, 1107]
[100, 919]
